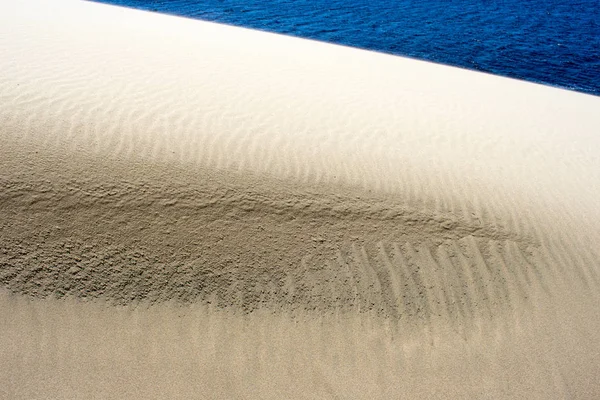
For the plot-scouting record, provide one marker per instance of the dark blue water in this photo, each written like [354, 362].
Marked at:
[555, 42]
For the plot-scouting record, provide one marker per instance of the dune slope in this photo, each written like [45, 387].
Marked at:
[196, 210]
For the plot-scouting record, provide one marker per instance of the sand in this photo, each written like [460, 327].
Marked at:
[191, 210]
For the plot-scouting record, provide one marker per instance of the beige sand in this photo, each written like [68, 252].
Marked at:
[189, 210]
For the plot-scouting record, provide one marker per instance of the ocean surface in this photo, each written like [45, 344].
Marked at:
[554, 42]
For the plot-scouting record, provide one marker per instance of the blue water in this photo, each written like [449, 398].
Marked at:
[554, 42]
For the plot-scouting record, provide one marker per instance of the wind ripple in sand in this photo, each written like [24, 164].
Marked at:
[124, 233]
[305, 220]
[427, 222]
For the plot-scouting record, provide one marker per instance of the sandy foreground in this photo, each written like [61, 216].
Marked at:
[190, 210]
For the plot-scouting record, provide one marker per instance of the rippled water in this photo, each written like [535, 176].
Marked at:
[555, 42]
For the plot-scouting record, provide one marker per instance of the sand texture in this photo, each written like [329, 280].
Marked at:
[191, 210]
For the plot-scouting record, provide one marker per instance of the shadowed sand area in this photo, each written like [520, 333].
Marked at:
[190, 210]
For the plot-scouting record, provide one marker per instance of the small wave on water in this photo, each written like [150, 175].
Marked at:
[553, 42]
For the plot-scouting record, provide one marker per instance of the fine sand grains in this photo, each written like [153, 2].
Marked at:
[189, 210]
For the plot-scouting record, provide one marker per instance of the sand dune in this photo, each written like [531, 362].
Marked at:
[190, 210]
